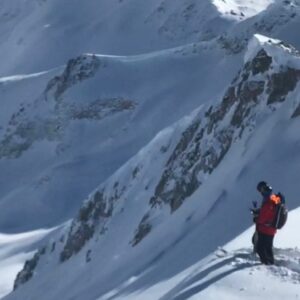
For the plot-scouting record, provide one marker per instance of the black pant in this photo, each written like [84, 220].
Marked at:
[264, 248]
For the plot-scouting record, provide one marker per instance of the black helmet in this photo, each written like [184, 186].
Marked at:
[264, 188]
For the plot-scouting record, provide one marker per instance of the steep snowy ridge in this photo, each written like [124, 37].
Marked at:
[265, 80]
[278, 20]
[96, 108]
[126, 215]
[241, 9]
[62, 29]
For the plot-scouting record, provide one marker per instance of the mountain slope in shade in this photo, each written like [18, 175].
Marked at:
[58, 123]
[83, 121]
[59, 30]
[154, 223]
[52, 32]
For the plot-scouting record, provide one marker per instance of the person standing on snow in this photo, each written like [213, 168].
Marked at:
[264, 219]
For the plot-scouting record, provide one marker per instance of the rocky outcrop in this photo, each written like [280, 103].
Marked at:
[206, 141]
[143, 229]
[261, 63]
[296, 113]
[77, 240]
[99, 109]
[28, 132]
[77, 70]
[92, 217]
[28, 125]
[28, 269]
[98, 209]
[281, 84]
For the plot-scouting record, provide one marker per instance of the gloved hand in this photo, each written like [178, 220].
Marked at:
[255, 213]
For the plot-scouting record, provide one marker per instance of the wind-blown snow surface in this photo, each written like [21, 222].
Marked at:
[123, 247]
[14, 250]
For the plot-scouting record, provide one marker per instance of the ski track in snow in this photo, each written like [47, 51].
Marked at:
[224, 263]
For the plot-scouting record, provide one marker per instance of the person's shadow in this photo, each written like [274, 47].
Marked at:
[177, 294]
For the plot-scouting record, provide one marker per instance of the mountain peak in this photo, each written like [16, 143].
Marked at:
[282, 53]
[239, 9]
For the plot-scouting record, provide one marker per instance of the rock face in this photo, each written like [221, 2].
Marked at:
[143, 229]
[296, 112]
[28, 269]
[96, 211]
[26, 133]
[281, 84]
[203, 144]
[77, 70]
[207, 140]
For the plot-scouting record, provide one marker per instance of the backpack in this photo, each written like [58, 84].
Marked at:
[281, 213]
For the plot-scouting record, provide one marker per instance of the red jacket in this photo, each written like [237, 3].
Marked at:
[267, 215]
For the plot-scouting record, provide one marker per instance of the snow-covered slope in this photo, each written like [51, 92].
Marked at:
[83, 121]
[14, 250]
[151, 227]
[240, 9]
[58, 123]
[162, 119]
[230, 272]
[59, 29]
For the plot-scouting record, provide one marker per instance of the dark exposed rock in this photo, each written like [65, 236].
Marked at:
[281, 84]
[296, 112]
[77, 70]
[143, 229]
[101, 208]
[88, 256]
[135, 172]
[94, 212]
[184, 142]
[28, 270]
[77, 240]
[248, 93]
[100, 109]
[25, 134]
[216, 115]
[95, 208]
[53, 247]
[261, 63]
